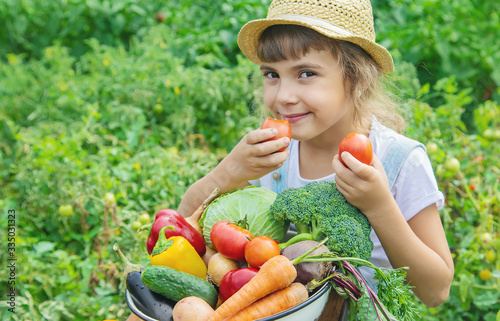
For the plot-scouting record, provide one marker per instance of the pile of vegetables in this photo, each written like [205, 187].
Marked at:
[251, 204]
[241, 271]
[322, 211]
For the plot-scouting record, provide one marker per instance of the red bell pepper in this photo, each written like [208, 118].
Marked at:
[169, 217]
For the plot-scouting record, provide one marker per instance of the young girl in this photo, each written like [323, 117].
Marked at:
[321, 70]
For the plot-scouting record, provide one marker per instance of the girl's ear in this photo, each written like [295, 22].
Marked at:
[358, 90]
[354, 88]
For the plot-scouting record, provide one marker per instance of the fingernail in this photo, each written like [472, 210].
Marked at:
[286, 140]
[274, 130]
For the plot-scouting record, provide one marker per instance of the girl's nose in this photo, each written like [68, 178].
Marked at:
[287, 94]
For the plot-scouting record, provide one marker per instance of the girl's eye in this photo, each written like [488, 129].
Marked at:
[270, 74]
[307, 74]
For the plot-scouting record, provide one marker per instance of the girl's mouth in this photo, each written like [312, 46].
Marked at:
[293, 118]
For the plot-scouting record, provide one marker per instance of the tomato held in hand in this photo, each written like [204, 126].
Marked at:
[283, 127]
[359, 146]
[234, 280]
[230, 240]
[259, 250]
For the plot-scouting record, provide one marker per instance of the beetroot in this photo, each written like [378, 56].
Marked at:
[308, 271]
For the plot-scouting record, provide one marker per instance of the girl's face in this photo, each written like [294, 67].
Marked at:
[310, 93]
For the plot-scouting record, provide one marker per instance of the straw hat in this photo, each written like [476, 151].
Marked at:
[349, 20]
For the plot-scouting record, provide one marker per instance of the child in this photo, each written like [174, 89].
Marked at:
[322, 70]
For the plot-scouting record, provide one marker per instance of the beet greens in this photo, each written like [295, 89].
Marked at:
[395, 302]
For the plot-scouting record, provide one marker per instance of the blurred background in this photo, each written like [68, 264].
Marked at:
[109, 110]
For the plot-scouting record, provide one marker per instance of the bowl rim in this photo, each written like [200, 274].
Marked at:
[311, 299]
[135, 309]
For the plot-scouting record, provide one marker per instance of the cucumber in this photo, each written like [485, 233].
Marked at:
[176, 285]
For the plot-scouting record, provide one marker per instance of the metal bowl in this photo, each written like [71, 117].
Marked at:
[140, 312]
[308, 310]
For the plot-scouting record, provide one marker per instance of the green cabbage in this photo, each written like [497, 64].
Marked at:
[252, 202]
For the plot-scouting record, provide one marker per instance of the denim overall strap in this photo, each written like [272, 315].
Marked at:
[280, 176]
[396, 156]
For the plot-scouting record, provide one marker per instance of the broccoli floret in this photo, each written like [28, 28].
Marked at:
[321, 210]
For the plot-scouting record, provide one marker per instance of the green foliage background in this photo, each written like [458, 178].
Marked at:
[97, 97]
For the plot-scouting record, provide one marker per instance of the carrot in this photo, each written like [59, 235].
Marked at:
[194, 219]
[277, 273]
[273, 303]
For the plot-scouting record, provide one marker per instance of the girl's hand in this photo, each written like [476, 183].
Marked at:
[252, 158]
[363, 186]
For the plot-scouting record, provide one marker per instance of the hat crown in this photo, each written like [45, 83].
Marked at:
[344, 20]
[353, 16]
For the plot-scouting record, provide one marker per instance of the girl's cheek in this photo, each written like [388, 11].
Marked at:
[269, 101]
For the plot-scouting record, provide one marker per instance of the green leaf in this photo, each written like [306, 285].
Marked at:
[43, 247]
[140, 11]
[485, 299]
[365, 308]
[464, 284]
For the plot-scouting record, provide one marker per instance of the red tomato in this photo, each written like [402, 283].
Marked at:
[230, 240]
[259, 250]
[359, 146]
[283, 127]
[234, 280]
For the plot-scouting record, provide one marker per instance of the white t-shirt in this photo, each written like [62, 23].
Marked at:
[414, 189]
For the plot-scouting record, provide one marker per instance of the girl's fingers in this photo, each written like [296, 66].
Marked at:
[344, 178]
[342, 172]
[377, 164]
[341, 188]
[260, 147]
[363, 171]
[260, 135]
[337, 165]
[273, 160]
[270, 147]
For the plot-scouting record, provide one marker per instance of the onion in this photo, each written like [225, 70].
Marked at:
[218, 266]
[208, 255]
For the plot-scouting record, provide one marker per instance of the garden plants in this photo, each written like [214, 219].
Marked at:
[106, 120]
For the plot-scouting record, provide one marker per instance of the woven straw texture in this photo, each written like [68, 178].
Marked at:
[338, 19]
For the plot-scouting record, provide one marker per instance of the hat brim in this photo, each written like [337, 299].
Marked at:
[249, 35]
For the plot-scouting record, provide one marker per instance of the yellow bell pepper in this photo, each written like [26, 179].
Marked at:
[179, 254]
